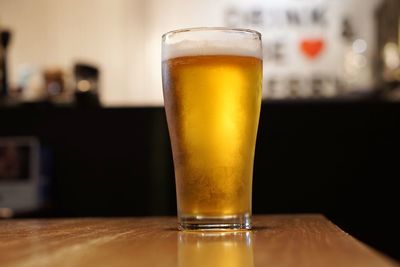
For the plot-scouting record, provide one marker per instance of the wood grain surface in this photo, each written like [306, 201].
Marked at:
[276, 241]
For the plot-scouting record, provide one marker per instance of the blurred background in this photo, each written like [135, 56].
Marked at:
[83, 129]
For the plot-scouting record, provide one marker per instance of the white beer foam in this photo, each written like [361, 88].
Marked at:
[213, 43]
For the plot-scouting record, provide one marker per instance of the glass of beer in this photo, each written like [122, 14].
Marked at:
[212, 83]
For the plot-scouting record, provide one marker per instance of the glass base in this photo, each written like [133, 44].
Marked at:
[215, 223]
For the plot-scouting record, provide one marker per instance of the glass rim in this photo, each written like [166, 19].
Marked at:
[213, 29]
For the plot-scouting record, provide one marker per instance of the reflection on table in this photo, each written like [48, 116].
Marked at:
[230, 249]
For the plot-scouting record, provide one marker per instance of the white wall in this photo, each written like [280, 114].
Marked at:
[58, 33]
[124, 38]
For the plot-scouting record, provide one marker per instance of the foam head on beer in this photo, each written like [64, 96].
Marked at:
[181, 44]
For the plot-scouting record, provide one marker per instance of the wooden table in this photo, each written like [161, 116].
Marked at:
[276, 241]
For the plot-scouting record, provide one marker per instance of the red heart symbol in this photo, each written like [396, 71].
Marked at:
[312, 47]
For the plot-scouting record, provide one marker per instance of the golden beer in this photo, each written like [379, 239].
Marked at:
[212, 104]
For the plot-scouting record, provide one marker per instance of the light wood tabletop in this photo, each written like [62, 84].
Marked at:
[276, 240]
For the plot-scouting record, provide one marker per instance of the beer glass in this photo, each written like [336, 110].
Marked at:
[212, 82]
